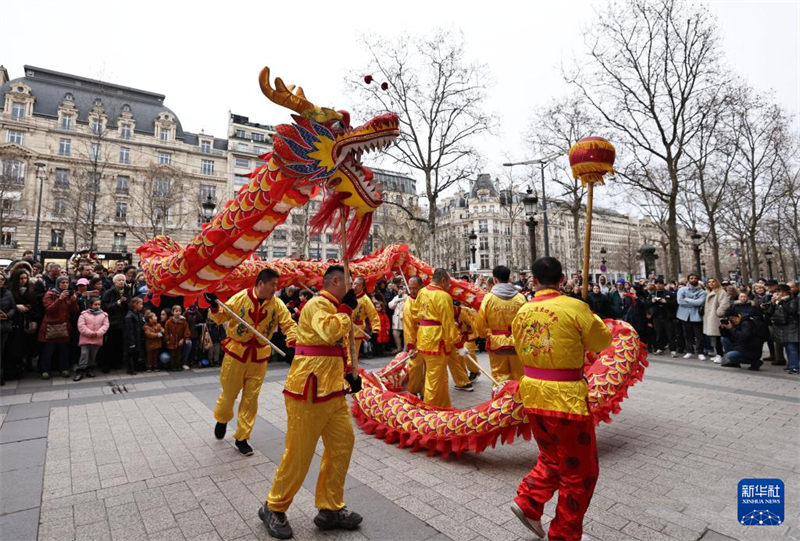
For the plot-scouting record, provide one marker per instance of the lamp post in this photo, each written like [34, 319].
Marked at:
[41, 172]
[531, 204]
[603, 253]
[208, 208]
[544, 160]
[697, 238]
[768, 256]
[472, 248]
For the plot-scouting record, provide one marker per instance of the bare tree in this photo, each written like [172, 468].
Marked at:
[300, 234]
[12, 181]
[625, 256]
[512, 209]
[162, 202]
[651, 66]
[438, 94]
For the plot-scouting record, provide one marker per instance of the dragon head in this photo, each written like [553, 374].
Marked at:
[322, 150]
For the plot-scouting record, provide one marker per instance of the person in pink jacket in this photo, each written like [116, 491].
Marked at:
[92, 325]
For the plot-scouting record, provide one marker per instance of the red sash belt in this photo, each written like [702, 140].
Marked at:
[320, 351]
[358, 321]
[429, 323]
[501, 333]
[554, 374]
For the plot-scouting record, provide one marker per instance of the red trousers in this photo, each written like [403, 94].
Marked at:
[567, 463]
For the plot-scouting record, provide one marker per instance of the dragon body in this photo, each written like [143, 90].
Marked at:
[320, 153]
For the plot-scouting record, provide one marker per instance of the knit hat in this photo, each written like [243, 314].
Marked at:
[621, 281]
[60, 279]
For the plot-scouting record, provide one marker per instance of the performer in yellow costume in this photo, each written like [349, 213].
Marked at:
[494, 319]
[316, 407]
[245, 363]
[552, 334]
[436, 337]
[464, 370]
[365, 311]
[416, 370]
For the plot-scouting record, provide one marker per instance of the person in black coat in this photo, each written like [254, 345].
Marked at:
[8, 311]
[132, 337]
[663, 305]
[636, 313]
[741, 340]
[599, 303]
[115, 304]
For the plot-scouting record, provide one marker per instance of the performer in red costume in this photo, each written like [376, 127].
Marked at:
[552, 333]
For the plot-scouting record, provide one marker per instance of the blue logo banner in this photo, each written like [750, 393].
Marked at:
[761, 502]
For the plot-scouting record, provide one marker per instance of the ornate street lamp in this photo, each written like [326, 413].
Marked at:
[542, 162]
[472, 248]
[208, 208]
[531, 205]
[603, 258]
[768, 255]
[697, 239]
[41, 172]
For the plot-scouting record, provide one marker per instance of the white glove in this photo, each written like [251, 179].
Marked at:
[463, 352]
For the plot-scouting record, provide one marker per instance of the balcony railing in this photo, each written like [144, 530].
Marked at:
[212, 151]
[119, 248]
[55, 245]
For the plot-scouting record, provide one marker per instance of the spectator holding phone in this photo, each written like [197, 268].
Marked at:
[784, 314]
[54, 334]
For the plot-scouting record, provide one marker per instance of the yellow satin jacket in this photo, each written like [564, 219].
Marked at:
[324, 330]
[436, 333]
[554, 331]
[494, 320]
[410, 322]
[264, 316]
[365, 311]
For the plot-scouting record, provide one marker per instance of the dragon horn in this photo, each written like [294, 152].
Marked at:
[283, 95]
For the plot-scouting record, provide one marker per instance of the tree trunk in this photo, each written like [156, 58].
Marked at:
[753, 248]
[743, 266]
[712, 229]
[674, 245]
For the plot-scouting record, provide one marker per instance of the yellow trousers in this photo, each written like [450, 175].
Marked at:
[236, 377]
[458, 369]
[505, 367]
[471, 365]
[416, 374]
[436, 380]
[306, 422]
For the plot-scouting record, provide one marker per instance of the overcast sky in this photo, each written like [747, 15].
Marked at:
[205, 56]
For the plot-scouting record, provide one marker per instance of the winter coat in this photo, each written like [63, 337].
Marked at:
[26, 298]
[9, 307]
[132, 337]
[785, 320]
[57, 311]
[174, 332]
[92, 328]
[116, 312]
[600, 305]
[663, 310]
[716, 304]
[383, 334]
[617, 301]
[745, 338]
[396, 304]
[153, 337]
[690, 299]
[193, 319]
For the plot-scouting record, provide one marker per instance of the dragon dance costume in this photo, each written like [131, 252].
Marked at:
[459, 366]
[416, 370]
[316, 407]
[245, 363]
[552, 333]
[436, 338]
[497, 311]
[365, 311]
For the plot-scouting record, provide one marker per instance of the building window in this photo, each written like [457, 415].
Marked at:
[279, 251]
[124, 155]
[161, 214]
[484, 244]
[15, 136]
[65, 147]
[119, 243]
[243, 147]
[314, 253]
[161, 187]
[257, 137]
[121, 211]
[93, 181]
[122, 183]
[259, 150]
[205, 147]
[279, 234]
[125, 131]
[241, 134]
[207, 190]
[56, 238]
[66, 122]
[7, 236]
[165, 134]
[483, 227]
[243, 162]
[206, 167]
[60, 206]
[484, 261]
[164, 158]
[7, 205]
[18, 110]
[62, 178]
[94, 153]
[97, 126]
[331, 254]
[14, 170]
[240, 180]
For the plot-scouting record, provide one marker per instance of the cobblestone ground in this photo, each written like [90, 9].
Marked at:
[81, 462]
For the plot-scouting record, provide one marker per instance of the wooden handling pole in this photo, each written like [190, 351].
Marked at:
[250, 328]
[587, 241]
[348, 285]
[484, 371]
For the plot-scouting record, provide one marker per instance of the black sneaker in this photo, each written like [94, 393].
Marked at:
[793, 371]
[90, 373]
[276, 523]
[343, 519]
[78, 376]
[45, 375]
[219, 430]
[474, 375]
[244, 447]
[754, 367]
[466, 388]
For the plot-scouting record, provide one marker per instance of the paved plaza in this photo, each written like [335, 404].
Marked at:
[80, 461]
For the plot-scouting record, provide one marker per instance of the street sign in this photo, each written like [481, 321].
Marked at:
[473, 267]
[603, 268]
